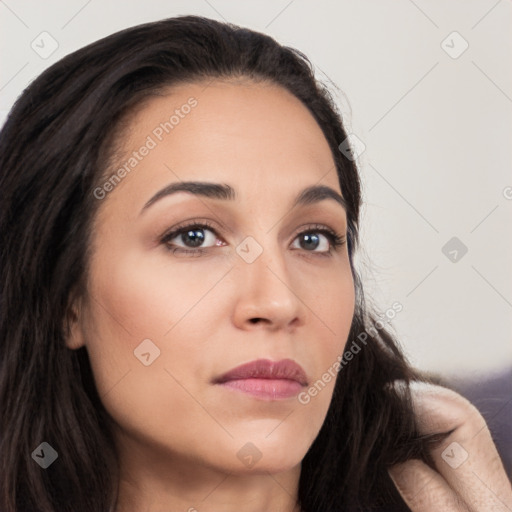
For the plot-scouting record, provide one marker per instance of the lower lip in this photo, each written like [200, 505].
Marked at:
[269, 389]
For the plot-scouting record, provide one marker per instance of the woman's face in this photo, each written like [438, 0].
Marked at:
[162, 323]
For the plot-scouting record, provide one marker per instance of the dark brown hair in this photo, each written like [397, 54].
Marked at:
[52, 156]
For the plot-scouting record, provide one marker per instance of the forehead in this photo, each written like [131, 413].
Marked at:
[229, 117]
[252, 135]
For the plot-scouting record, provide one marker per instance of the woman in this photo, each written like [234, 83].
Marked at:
[183, 327]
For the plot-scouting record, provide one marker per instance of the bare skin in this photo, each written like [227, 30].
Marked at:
[178, 434]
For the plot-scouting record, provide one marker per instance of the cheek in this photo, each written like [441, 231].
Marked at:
[133, 301]
[333, 311]
[169, 313]
[149, 297]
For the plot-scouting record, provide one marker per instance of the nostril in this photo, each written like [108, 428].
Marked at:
[255, 320]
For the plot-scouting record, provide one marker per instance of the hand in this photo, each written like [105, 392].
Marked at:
[470, 476]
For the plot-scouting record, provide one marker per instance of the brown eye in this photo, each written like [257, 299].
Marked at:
[311, 241]
[319, 237]
[191, 238]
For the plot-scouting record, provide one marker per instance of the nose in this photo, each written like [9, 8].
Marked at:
[266, 295]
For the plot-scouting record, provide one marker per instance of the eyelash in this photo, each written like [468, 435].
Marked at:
[336, 241]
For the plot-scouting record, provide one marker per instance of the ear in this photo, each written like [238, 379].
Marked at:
[73, 333]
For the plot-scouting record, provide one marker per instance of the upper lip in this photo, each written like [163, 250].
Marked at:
[266, 369]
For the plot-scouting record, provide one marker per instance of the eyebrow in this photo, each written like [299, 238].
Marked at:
[310, 195]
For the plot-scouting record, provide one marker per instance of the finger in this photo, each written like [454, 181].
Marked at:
[467, 459]
[423, 489]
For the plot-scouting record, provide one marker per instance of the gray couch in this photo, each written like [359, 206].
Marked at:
[493, 398]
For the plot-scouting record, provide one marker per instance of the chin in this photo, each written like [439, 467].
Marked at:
[263, 456]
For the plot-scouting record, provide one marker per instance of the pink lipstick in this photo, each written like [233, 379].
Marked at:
[265, 379]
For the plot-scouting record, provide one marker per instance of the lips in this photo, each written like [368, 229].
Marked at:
[286, 369]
